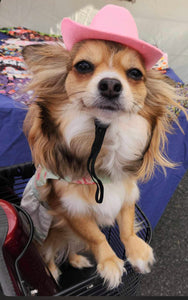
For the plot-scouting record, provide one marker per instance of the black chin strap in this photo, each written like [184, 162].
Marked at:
[100, 130]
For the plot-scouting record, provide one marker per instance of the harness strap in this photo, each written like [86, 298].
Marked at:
[100, 130]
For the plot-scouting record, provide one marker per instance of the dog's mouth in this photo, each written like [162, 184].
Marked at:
[109, 106]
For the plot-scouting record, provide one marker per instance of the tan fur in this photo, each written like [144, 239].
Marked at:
[61, 97]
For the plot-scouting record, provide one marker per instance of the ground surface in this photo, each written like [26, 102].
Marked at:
[169, 276]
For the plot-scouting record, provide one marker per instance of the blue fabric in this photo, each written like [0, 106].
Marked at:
[170, 73]
[3, 36]
[156, 193]
[14, 147]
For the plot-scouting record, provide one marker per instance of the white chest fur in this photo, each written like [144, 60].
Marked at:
[115, 194]
[127, 134]
[126, 140]
[106, 212]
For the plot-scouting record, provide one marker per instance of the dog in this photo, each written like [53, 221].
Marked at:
[108, 81]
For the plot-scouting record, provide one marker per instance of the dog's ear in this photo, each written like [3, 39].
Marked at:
[32, 53]
[45, 55]
[49, 65]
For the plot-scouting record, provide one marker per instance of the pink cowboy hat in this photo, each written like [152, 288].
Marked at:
[113, 23]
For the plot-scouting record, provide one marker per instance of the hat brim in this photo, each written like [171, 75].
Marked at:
[73, 32]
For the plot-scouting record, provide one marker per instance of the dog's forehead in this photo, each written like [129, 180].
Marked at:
[93, 51]
[111, 53]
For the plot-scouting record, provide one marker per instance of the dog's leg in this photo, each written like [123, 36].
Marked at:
[79, 261]
[138, 253]
[53, 269]
[109, 266]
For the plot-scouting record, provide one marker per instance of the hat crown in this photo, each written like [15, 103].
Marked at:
[115, 19]
[111, 23]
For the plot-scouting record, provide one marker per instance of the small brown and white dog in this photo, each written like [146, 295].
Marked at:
[106, 81]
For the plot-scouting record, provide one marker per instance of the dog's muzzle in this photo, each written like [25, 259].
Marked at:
[110, 90]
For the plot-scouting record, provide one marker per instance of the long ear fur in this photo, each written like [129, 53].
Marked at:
[160, 96]
[49, 65]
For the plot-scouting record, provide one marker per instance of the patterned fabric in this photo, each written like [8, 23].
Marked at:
[38, 210]
[162, 64]
[29, 35]
[182, 97]
[13, 73]
[42, 220]
[42, 175]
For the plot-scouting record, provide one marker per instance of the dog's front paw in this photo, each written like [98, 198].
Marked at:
[139, 254]
[111, 270]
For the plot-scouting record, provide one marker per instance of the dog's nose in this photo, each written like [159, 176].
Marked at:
[110, 87]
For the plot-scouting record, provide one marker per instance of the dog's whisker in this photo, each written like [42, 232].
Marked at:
[76, 93]
[136, 104]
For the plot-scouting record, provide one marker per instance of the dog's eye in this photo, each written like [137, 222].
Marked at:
[84, 67]
[135, 74]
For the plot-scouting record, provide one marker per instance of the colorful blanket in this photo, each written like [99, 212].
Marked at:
[13, 73]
